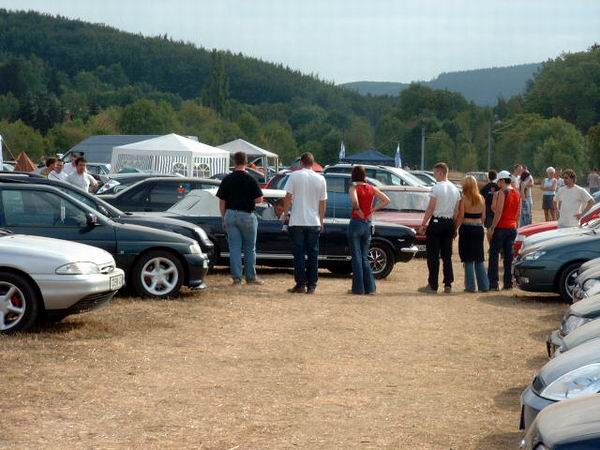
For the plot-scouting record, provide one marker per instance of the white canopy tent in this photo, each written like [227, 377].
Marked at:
[171, 154]
[254, 152]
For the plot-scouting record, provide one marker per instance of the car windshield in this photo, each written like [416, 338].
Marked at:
[406, 201]
[198, 203]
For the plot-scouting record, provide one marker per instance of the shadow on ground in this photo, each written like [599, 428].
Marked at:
[509, 398]
[500, 441]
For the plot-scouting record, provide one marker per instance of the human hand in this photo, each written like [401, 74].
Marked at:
[360, 213]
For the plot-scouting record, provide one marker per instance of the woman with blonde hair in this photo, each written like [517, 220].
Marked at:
[469, 223]
[550, 186]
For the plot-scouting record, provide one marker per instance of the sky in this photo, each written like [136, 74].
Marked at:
[356, 40]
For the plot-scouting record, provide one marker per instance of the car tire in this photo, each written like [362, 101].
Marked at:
[19, 303]
[381, 258]
[566, 277]
[340, 268]
[157, 274]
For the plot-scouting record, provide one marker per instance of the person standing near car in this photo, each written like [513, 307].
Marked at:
[307, 197]
[572, 200]
[362, 196]
[488, 192]
[49, 167]
[439, 225]
[58, 174]
[81, 178]
[238, 195]
[549, 187]
[525, 188]
[594, 181]
[504, 230]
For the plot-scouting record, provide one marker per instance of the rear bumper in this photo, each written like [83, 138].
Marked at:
[197, 267]
[65, 292]
[406, 254]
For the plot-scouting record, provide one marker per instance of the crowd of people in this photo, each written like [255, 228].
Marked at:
[74, 173]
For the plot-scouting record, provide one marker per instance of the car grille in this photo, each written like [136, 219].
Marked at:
[92, 301]
[107, 268]
[538, 384]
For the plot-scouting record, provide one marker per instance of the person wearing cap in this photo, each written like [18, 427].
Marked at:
[573, 201]
[438, 226]
[549, 187]
[503, 231]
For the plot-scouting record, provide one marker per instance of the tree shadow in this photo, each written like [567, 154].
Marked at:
[537, 361]
[500, 441]
[519, 301]
[509, 399]
[541, 335]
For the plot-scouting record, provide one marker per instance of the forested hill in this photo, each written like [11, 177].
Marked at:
[482, 86]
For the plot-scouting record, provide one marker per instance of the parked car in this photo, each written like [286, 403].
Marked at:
[158, 263]
[553, 266]
[390, 176]
[576, 316]
[570, 375]
[535, 228]
[156, 193]
[426, 176]
[587, 332]
[568, 425]
[160, 223]
[407, 207]
[587, 283]
[481, 178]
[274, 182]
[117, 182]
[391, 243]
[50, 278]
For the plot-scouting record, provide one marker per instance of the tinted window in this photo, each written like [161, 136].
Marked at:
[40, 209]
[80, 197]
[169, 193]
[336, 184]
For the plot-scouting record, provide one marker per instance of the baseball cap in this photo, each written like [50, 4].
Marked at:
[503, 174]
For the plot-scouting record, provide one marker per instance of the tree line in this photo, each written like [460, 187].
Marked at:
[62, 80]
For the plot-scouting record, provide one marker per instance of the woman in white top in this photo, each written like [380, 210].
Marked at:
[549, 187]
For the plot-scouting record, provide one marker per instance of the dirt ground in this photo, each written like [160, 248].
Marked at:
[257, 368]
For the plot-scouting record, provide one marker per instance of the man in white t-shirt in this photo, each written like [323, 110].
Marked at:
[58, 174]
[81, 178]
[573, 201]
[72, 166]
[307, 195]
[515, 178]
[439, 222]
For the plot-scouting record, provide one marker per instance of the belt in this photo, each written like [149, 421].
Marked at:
[443, 218]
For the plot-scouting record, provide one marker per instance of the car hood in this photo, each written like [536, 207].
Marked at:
[534, 228]
[586, 240]
[410, 219]
[570, 421]
[589, 307]
[582, 355]
[139, 233]
[154, 220]
[542, 236]
[49, 250]
[578, 336]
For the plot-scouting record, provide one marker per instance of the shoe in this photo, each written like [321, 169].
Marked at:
[507, 288]
[297, 290]
[484, 291]
[447, 289]
[469, 291]
[351, 292]
[256, 281]
[236, 282]
[311, 289]
[495, 289]
[427, 290]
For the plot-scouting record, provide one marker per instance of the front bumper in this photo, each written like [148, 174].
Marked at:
[197, 267]
[406, 254]
[533, 278]
[65, 292]
[531, 405]
[553, 343]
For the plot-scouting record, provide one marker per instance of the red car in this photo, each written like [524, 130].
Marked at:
[535, 228]
[407, 207]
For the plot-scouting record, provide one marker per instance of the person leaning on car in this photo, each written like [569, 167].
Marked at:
[80, 177]
[238, 195]
[573, 201]
[503, 231]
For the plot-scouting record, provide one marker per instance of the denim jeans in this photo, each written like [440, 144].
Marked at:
[305, 248]
[241, 235]
[475, 270]
[359, 236]
[502, 241]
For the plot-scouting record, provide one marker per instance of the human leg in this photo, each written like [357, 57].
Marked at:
[248, 225]
[355, 248]
[432, 241]
[483, 284]
[507, 244]
[368, 278]
[311, 243]
[446, 252]
[234, 241]
[297, 240]
[495, 247]
[470, 276]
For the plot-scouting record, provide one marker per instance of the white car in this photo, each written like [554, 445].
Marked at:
[51, 278]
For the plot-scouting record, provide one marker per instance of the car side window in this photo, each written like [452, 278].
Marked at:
[82, 198]
[397, 181]
[336, 185]
[169, 193]
[40, 209]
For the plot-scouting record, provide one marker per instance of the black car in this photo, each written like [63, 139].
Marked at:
[117, 182]
[157, 263]
[571, 424]
[157, 193]
[390, 244]
[161, 223]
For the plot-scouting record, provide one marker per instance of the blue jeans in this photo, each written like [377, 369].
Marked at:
[241, 235]
[305, 248]
[475, 270]
[359, 236]
[502, 241]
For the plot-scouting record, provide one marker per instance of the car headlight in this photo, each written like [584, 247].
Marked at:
[572, 323]
[590, 284]
[78, 268]
[581, 381]
[534, 255]
[195, 249]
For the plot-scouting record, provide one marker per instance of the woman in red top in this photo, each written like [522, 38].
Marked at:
[363, 196]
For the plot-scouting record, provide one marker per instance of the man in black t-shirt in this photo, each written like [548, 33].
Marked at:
[488, 192]
[238, 193]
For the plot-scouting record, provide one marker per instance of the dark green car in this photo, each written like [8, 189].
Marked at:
[553, 266]
[156, 263]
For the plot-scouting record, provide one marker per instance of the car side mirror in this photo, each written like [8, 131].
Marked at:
[91, 220]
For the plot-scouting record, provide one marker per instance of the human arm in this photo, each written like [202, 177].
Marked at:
[354, 201]
[498, 212]
[322, 208]
[223, 209]
[287, 203]
[460, 214]
[428, 214]
[384, 200]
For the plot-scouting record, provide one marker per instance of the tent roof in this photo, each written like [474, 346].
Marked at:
[24, 163]
[370, 156]
[240, 145]
[174, 143]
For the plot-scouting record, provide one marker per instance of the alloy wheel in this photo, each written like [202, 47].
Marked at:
[378, 259]
[12, 306]
[159, 276]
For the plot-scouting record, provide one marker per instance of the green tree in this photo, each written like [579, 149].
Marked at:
[593, 140]
[20, 137]
[279, 139]
[65, 135]
[148, 117]
[216, 92]
[9, 107]
[250, 126]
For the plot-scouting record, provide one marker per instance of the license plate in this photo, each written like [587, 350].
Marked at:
[116, 282]
[422, 247]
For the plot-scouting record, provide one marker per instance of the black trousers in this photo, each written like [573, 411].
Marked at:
[439, 237]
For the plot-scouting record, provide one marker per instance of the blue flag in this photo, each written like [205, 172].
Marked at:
[342, 151]
[398, 159]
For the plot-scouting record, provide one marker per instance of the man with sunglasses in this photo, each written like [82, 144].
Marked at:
[572, 200]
